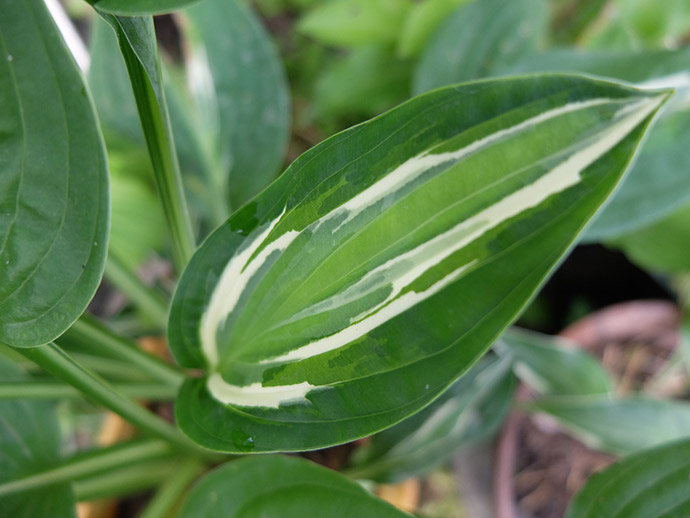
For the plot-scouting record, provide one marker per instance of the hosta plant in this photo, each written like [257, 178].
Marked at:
[359, 290]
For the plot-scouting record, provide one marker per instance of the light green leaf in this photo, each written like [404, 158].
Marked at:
[619, 426]
[657, 184]
[54, 211]
[471, 410]
[243, 95]
[651, 484]
[138, 224]
[479, 37]
[353, 23]
[29, 442]
[276, 486]
[140, 7]
[384, 262]
[366, 82]
[420, 23]
[552, 366]
[662, 246]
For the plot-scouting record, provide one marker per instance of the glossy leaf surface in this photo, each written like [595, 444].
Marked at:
[657, 183]
[242, 92]
[651, 484]
[140, 7]
[479, 37]
[386, 260]
[281, 487]
[554, 367]
[54, 211]
[620, 426]
[471, 410]
[29, 442]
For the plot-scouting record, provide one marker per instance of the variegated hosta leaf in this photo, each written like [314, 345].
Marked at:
[387, 259]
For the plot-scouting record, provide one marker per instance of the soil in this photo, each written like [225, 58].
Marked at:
[634, 341]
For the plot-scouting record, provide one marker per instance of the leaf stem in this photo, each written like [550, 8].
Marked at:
[146, 299]
[125, 480]
[170, 492]
[140, 52]
[54, 360]
[22, 389]
[90, 463]
[87, 330]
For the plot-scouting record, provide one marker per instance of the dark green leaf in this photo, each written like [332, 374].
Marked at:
[471, 410]
[275, 486]
[53, 181]
[140, 7]
[479, 37]
[651, 484]
[620, 426]
[243, 95]
[29, 442]
[555, 367]
[386, 260]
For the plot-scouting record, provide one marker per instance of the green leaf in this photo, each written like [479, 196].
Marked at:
[243, 95]
[652, 484]
[657, 183]
[276, 486]
[470, 411]
[29, 442]
[552, 366]
[137, 40]
[479, 37]
[384, 262]
[119, 118]
[353, 23]
[366, 82]
[619, 426]
[139, 7]
[420, 23]
[661, 246]
[54, 212]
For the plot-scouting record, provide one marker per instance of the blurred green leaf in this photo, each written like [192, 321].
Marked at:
[422, 19]
[619, 426]
[651, 484]
[242, 97]
[275, 486]
[478, 38]
[366, 82]
[470, 411]
[662, 246]
[29, 442]
[139, 7]
[353, 23]
[552, 366]
[138, 227]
